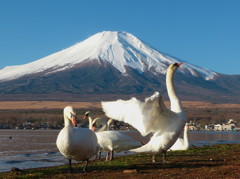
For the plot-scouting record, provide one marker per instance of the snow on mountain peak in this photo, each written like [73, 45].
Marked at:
[118, 48]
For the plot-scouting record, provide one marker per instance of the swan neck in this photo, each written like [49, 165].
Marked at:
[67, 122]
[185, 136]
[108, 124]
[103, 128]
[90, 122]
[175, 102]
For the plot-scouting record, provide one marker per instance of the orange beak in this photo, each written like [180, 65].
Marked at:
[74, 121]
[179, 64]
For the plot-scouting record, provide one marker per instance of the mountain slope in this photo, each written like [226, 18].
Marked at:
[120, 49]
[110, 65]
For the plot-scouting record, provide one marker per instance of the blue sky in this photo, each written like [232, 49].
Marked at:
[205, 32]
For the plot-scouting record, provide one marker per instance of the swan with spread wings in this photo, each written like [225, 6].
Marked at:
[152, 116]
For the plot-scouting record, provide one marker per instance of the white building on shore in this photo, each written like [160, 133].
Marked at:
[229, 126]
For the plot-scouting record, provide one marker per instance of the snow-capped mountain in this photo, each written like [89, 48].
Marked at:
[120, 49]
[107, 65]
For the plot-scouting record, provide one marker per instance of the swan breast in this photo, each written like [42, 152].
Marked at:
[77, 143]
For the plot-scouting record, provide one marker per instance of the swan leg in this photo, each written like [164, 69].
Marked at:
[112, 153]
[107, 157]
[70, 165]
[164, 157]
[99, 154]
[86, 163]
[153, 159]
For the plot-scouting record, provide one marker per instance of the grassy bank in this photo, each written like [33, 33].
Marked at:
[218, 161]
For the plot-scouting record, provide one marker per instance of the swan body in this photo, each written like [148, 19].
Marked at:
[152, 116]
[117, 141]
[182, 143]
[111, 141]
[76, 143]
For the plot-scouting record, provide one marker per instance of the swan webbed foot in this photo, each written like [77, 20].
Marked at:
[165, 161]
[164, 157]
[153, 159]
[70, 170]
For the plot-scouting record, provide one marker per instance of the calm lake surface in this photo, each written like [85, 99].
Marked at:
[36, 148]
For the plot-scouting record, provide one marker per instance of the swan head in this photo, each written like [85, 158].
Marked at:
[94, 127]
[87, 115]
[70, 114]
[174, 67]
[110, 121]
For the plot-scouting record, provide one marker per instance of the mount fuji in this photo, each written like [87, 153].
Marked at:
[111, 64]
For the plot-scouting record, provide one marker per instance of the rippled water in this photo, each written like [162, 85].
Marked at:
[36, 148]
[200, 138]
[28, 149]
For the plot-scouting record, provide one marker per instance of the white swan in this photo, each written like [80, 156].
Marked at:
[76, 143]
[115, 141]
[152, 116]
[182, 143]
[111, 141]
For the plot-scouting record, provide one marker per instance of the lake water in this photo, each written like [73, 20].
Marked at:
[36, 148]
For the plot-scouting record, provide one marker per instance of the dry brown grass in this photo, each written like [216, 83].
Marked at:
[46, 105]
[61, 104]
[202, 104]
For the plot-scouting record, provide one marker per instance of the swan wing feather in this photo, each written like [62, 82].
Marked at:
[149, 116]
